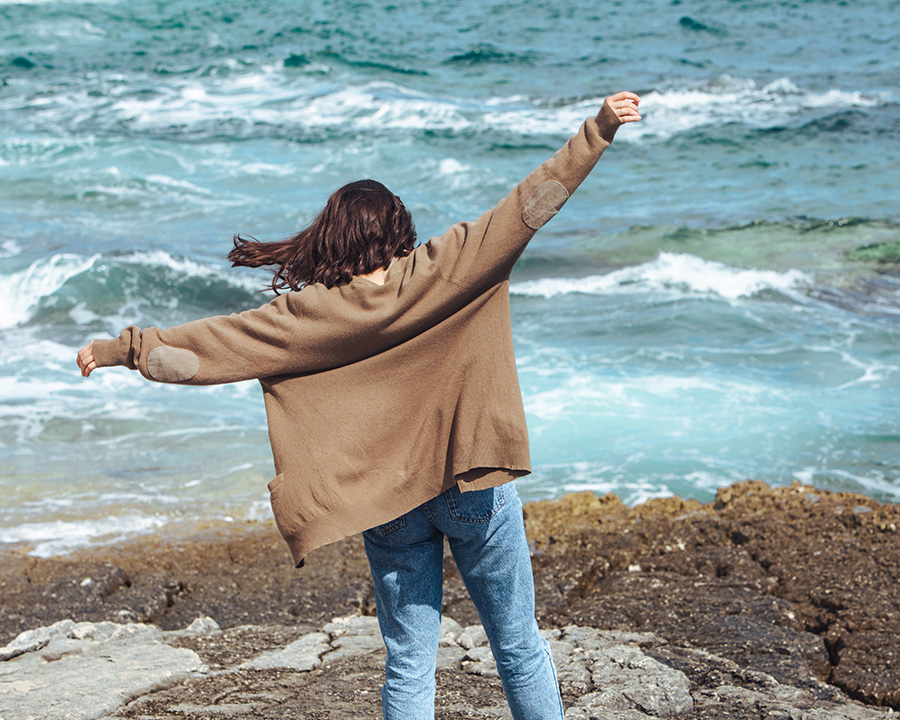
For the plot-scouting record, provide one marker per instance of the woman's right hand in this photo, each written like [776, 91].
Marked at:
[85, 359]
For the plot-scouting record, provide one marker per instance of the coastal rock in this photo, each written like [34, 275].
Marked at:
[478, 660]
[81, 671]
[766, 587]
[238, 575]
[634, 681]
[450, 632]
[782, 702]
[792, 581]
[302, 655]
[352, 636]
[335, 671]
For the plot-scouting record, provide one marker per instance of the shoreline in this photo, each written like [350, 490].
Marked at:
[793, 582]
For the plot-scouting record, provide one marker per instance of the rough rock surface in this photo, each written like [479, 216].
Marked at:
[80, 671]
[792, 581]
[88, 671]
[768, 602]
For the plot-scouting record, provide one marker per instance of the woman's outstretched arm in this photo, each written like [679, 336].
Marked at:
[482, 253]
[307, 331]
[226, 348]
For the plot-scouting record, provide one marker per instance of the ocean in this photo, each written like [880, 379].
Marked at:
[719, 301]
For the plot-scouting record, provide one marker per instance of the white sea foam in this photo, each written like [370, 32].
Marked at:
[22, 291]
[459, 177]
[61, 536]
[628, 484]
[263, 96]
[180, 185]
[735, 100]
[673, 272]
[667, 112]
[531, 119]
[586, 398]
[875, 482]
[15, 390]
[267, 96]
[380, 106]
[9, 248]
[189, 268]
[65, 29]
[261, 169]
[26, 151]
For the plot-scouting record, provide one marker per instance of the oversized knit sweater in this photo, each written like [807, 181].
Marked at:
[380, 397]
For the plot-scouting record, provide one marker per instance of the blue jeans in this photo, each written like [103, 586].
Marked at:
[487, 538]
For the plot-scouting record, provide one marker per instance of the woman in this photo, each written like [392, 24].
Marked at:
[394, 408]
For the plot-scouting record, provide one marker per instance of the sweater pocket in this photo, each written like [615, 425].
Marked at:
[282, 507]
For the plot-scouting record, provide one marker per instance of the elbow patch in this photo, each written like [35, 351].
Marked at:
[544, 203]
[168, 364]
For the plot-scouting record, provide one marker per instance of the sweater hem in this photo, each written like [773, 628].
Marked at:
[309, 534]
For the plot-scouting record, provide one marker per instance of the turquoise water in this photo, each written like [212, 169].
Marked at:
[719, 301]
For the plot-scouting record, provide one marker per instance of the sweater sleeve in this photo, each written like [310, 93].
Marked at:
[314, 329]
[483, 252]
[228, 348]
[305, 331]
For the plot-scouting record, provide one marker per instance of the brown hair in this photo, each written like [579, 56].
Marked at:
[362, 227]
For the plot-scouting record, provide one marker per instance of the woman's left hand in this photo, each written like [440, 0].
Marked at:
[625, 105]
[617, 110]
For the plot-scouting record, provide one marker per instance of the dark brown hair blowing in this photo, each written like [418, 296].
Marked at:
[362, 227]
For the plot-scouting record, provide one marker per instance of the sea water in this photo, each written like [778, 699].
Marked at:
[719, 301]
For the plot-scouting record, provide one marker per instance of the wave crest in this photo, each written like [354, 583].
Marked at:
[83, 289]
[673, 271]
[269, 100]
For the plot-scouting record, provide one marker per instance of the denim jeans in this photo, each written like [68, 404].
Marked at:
[487, 538]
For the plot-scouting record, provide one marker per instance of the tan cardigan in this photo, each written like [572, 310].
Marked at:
[380, 397]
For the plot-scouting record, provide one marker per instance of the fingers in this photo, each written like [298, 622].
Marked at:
[88, 369]
[625, 105]
[625, 95]
[85, 359]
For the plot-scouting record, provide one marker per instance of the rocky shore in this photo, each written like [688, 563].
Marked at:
[768, 602]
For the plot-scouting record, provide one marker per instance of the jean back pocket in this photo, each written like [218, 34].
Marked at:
[475, 506]
[390, 527]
